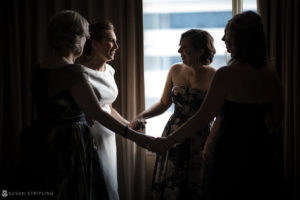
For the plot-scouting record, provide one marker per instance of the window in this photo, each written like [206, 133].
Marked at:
[250, 5]
[164, 22]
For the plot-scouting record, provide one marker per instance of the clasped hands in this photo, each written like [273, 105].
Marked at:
[138, 124]
[158, 145]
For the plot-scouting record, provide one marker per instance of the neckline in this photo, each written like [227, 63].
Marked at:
[97, 71]
[189, 88]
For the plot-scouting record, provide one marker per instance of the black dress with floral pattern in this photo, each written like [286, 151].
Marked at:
[180, 172]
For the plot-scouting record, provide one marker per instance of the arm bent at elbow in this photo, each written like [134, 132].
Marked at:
[209, 109]
[87, 100]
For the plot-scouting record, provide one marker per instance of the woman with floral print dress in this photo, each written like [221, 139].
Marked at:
[178, 174]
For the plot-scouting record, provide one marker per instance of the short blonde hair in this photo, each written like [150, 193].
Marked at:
[65, 31]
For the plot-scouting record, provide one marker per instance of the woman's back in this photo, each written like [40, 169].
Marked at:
[240, 165]
[241, 159]
[249, 85]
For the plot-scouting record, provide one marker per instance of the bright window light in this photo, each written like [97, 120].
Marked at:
[164, 22]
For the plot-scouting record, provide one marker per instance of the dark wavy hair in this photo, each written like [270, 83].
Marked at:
[65, 31]
[246, 39]
[97, 32]
[201, 39]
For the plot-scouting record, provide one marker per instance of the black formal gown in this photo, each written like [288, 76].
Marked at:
[240, 167]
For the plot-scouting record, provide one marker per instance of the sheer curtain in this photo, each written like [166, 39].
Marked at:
[281, 20]
[24, 43]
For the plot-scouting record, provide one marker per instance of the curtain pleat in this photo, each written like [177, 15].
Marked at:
[281, 20]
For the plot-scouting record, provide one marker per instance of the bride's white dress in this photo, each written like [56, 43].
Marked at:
[105, 88]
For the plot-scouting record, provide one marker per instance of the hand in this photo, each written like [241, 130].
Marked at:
[90, 121]
[138, 124]
[161, 145]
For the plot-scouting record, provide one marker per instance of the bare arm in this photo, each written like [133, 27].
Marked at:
[164, 103]
[156, 109]
[208, 146]
[211, 107]
[119, 117]
[159, 107]
[87, 101]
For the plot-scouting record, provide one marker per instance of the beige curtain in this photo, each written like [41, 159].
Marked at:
[128, 18]
[24, 43]
[282, 24]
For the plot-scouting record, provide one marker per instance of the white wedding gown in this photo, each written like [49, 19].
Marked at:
[105, 87]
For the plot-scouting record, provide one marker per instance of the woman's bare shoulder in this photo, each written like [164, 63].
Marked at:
[210, 68]
[176, 68]
[224, 70]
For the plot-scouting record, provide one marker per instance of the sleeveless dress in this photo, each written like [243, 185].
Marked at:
[58, 154]
[241, 164]
[106, 90]
[180, 172]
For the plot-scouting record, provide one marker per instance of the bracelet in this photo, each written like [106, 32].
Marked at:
[125, 134]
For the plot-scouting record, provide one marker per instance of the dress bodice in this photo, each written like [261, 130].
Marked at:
[104, 85]
[248, 117]
[187, 100]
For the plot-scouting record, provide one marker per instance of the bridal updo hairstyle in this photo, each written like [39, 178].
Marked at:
[97, 32]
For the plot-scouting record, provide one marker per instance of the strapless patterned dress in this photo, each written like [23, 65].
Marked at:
[180, 172]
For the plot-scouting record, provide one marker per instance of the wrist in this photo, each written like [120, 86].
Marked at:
[141, 116]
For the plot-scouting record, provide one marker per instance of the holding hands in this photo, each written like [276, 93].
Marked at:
[144, 140]
[158, 145]
[138, 124]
